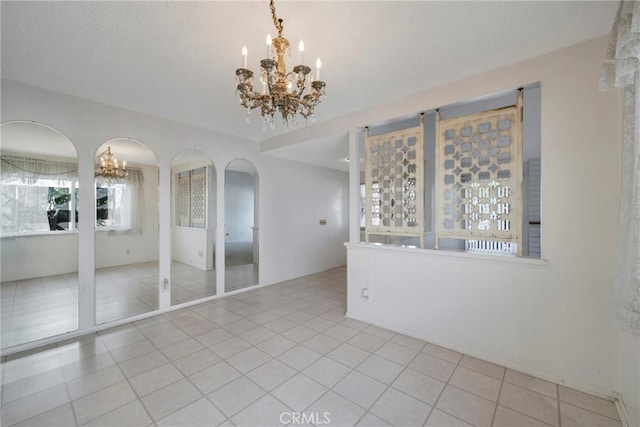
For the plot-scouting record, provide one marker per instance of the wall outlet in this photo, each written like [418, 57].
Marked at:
[323, 222]
[200, 253]
[128, 251]
[365, 294]
[165, 284]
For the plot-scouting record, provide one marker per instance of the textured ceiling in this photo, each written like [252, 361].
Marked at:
[177, 60]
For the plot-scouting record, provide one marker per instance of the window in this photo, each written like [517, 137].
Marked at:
[191, 206]
[481, 177]
[62, 208]
[114, 206]
[117, 202]
[38, 196]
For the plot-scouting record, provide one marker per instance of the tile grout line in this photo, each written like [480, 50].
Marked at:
[520, 412]
[235, 335]
[558, 403]
[73, 409]
[186, 377]
[388, 386]
[117, 364]
[495, 408]
[447, 383]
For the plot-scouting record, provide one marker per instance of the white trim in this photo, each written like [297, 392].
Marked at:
[623, 412]
[39, 233]
[497, 259]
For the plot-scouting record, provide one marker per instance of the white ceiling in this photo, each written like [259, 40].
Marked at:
[177, 60]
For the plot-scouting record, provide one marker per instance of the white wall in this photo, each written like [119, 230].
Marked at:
[292, 204]
[285, 220]
[190, 246]
[239, 198]
[140, 245]
[56, 254]
[555, 319]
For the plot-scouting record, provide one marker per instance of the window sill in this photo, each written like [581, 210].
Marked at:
[113, 230]
[38, 234]
[499, 259]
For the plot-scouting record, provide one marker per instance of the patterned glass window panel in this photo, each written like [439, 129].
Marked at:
[183, 204]
[394, 183]
[479, 176]
[198, 198]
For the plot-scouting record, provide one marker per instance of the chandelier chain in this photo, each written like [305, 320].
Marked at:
[277, 22]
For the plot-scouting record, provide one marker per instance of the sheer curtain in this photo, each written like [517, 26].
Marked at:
[24, 198]
[621, 69]
[124, 202]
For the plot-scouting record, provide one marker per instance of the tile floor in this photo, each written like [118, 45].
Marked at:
[262, 357]
[46, 306]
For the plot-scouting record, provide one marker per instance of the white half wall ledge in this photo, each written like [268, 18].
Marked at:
[475, 257]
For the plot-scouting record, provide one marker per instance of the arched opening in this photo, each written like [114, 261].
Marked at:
[193, 224]
[126, 224]
[39, 238]
[241, 225]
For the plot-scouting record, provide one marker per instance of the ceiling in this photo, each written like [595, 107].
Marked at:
[177, 60]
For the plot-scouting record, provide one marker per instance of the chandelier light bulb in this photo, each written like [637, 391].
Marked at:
[268, 45]
[244, 56]
[318, 66]
[301, 49]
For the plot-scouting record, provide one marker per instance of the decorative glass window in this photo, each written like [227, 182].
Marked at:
[191, 203]
[394, 182]
[479, 179]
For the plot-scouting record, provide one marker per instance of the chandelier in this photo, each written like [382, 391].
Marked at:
[281, 91]
[107, 166]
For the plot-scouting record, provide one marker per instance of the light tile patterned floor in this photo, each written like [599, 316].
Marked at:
[46, 306]
[257, 358]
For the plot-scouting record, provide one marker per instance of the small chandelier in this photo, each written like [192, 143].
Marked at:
[281, 90]
[107, 166]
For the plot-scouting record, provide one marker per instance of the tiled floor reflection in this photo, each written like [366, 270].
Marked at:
[240, 276]
[189, 283]
[46, 306]
[256, 358]
[37, 308]
[126, 290]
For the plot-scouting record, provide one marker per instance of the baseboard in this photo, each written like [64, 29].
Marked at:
[625, 417]
[576, 385]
